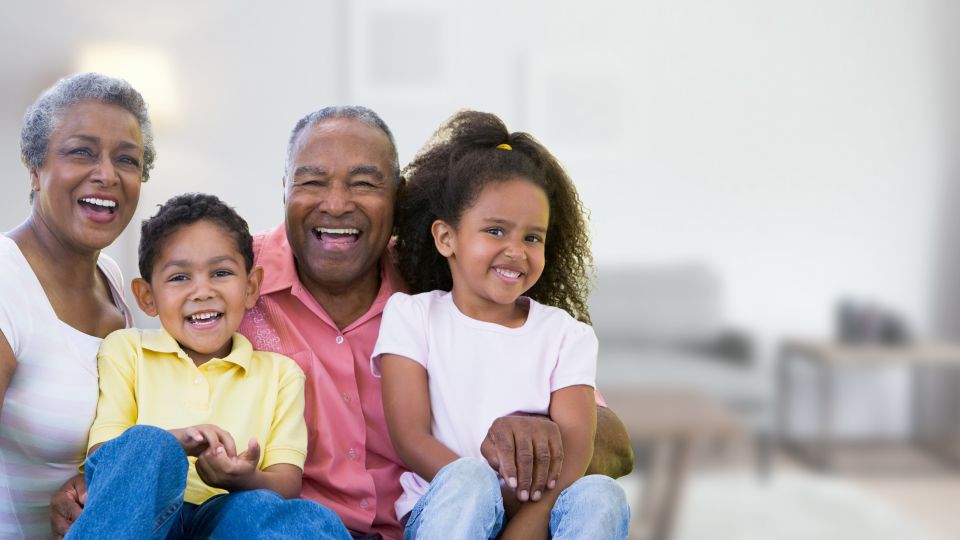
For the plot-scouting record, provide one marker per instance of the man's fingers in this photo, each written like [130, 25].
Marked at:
[556, 463]
[506, 455]
[524, 453]
[541, 468]
[489, 452]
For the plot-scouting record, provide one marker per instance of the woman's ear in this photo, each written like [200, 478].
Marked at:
[444, 237]
[144, 295]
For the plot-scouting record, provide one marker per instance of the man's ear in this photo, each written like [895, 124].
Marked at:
[254, 280]
[144, 295]
[444, 237]
[34, 180]
[283, 184]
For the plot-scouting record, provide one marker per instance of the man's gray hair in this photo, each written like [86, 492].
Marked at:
[356, 112]
[46, 114]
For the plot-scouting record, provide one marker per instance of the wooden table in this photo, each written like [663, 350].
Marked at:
[667, 425]
[828, 359]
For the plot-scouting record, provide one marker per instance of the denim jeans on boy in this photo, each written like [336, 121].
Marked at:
[135, 486]
[464, 502]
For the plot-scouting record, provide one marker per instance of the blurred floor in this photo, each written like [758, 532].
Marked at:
[726, 500]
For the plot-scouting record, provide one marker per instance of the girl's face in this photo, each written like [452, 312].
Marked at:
[496, 252]
[88, 188]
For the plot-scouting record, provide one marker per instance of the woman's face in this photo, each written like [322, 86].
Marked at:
[88, 188]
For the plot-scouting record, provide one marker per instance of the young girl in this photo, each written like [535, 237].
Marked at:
[489, 216]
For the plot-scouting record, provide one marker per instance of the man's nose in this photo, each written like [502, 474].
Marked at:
[337, 200]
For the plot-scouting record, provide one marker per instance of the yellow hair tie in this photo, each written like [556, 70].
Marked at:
[505, 146]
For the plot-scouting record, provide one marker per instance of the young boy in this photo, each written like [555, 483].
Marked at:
[178, 406]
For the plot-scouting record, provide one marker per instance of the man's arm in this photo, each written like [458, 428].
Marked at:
[612, 451]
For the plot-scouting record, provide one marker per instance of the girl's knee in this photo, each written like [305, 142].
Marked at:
[599, 491]
[469, 471]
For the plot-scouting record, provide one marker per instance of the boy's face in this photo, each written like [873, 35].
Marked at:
[200, 289]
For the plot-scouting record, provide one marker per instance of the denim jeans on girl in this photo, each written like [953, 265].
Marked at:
[464, 502]
[135, 486]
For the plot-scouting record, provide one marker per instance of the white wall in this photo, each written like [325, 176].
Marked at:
[801, 148]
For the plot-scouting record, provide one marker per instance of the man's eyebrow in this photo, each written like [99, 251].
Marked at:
[309, 170]
[367, 169]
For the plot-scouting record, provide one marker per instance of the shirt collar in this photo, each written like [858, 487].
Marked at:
[272, 251]
[162, 342]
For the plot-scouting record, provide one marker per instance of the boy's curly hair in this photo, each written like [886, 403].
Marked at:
[448, 174]
[183, 210]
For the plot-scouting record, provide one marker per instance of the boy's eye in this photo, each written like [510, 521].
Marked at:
[178, 277]
[495, 231]
[222, 273]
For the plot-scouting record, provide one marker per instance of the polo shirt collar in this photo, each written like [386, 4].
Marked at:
[162, 342]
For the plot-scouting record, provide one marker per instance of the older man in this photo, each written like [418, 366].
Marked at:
[328, 274]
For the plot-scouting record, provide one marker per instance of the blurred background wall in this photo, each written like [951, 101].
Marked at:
[804, 151]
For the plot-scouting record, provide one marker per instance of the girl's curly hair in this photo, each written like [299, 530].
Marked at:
[448, 174]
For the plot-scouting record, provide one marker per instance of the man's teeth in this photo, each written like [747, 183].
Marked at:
[99, 202]
[508, 273]
[204, 316]
[323, 230]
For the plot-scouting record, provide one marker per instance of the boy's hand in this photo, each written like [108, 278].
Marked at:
[196, 440]
[232, 473]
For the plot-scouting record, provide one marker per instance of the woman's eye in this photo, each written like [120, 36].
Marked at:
[130, 161]
[84, 152]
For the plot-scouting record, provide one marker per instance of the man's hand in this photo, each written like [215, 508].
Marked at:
[527, 452]
[66, 505]
[233, 473]
[198, 439]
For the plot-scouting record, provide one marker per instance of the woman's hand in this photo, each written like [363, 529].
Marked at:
[233, 473]
[195, 440]
[66, 505]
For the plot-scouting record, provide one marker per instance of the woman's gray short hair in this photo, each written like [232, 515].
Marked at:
[47, 111]
[355, 112]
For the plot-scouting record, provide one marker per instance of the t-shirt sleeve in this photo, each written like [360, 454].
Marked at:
[402, 330]
[117, 405]
[577, 362]
[14, 302]
[287, 441]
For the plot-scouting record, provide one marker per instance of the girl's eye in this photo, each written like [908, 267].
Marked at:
[495, 231]
[534, 238]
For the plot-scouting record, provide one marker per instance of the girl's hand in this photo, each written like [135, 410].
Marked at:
[197, 439]
[232, 473]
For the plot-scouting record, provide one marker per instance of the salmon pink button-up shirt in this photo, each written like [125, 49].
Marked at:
[351, 465]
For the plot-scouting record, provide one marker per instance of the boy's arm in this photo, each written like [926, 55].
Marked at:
[406, 405]
[574, 410]
[240, 473]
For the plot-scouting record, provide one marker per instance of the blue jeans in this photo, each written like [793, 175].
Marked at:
[464, 502]
[135, 486]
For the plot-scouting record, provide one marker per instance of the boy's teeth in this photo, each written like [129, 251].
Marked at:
[204, 316]
[99, 202]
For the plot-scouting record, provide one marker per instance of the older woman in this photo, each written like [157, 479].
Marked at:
[87, 145]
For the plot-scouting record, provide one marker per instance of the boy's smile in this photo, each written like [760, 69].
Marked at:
[200, 288]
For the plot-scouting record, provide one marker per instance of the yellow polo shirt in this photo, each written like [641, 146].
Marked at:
[146, 378]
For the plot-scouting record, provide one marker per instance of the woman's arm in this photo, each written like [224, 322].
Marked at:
[406, 405]
[574, 410]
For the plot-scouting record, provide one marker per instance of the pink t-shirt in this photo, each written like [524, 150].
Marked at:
[351, 465]
[480, 371]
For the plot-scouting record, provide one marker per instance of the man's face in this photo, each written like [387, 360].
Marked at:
[340, 192]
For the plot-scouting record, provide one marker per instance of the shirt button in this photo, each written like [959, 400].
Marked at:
[364, 504]
[339, 340]
[352, 454]
[346, 397]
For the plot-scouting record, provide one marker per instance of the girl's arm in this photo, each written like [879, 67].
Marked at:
[406, 404]
[574, 410]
